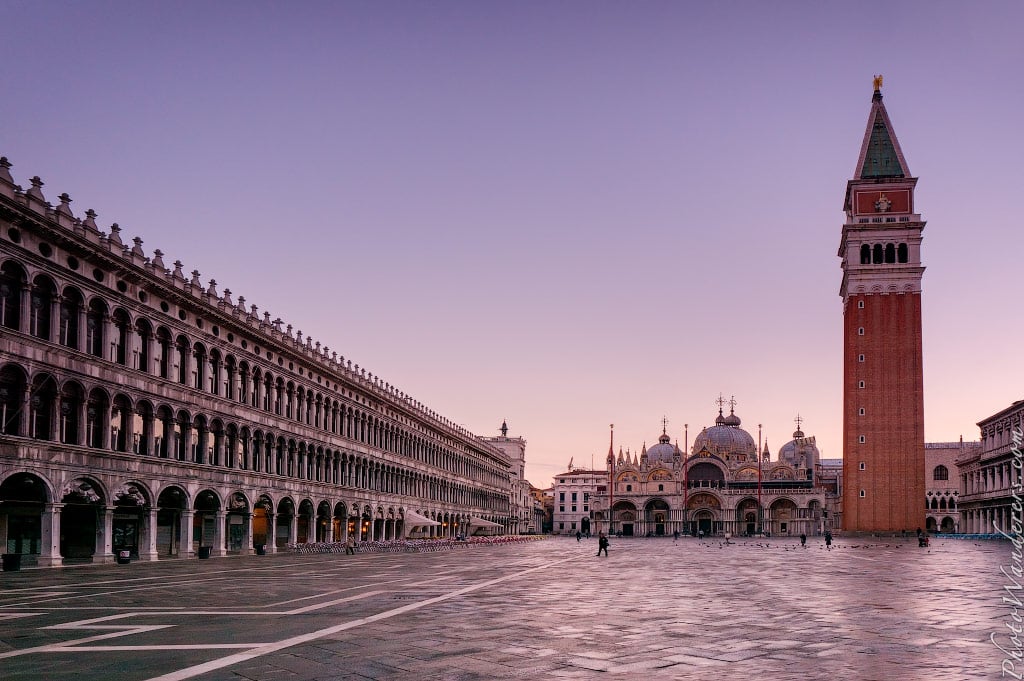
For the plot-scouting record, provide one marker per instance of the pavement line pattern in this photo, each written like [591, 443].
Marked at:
[265, 649]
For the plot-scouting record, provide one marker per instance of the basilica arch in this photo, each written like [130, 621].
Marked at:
[624, 518]
[657, 518]
[704, 514]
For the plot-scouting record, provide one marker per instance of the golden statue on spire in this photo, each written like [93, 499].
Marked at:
[878, 83]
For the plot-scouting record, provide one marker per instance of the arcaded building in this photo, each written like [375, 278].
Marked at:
[990, 474]
[144, 410]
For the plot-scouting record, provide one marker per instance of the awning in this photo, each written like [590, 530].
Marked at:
[413, 520]
[480, 522]
[479, 525]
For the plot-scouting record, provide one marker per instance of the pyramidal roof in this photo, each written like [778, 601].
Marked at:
[880, 154]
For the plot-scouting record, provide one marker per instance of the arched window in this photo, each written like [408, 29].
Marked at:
[890, 253]
[120, 415]
[144, 331]
[901, 253]
[183, 351]
[199, 371]
[877, 254]
[120, 341]
[216, 366]
[41, 307]
[94, 327]
[163, 438]
[865, 254]
[12, 282]
[70, 311]
[941, 473]
[163, 339]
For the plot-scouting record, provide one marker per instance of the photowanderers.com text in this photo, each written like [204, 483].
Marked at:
[1012, 643]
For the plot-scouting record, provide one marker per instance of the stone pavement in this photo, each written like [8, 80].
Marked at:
[550, 609]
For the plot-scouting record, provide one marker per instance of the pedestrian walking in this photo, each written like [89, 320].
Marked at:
[803, 540]
[579, 535]
[828, 539]
[350, 546]
[602, 545]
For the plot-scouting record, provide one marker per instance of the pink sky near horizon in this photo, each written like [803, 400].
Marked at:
[563, 215]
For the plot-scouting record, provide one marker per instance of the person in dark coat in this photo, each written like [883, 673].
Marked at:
[602, 545]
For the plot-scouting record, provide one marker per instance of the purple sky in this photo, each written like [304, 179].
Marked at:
[561, 214]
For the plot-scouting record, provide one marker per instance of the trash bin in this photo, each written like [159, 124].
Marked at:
[204, 551]
[124, 557]
[11, 562]
[261, 549]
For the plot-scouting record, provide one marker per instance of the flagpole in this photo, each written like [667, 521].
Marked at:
[760, 520]
[611, 475]
[686, 480]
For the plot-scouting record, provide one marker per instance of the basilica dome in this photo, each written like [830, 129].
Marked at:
[800, 452]
[726, 440]
[663, 452]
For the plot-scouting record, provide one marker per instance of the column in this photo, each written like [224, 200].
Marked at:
[104, 535]
[104, 426]
[186, 547]
[330, 530]
[24, 294]
[247, 548]
[271, 533]
[49, 549]
[55, 304]
[293, 528]
[147, 543]
[219, 539]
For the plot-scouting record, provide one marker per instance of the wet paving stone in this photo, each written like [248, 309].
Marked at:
[549, 609]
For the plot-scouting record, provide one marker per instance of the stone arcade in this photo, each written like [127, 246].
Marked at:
[144, 411]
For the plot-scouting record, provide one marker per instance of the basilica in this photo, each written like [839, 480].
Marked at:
[725, 485]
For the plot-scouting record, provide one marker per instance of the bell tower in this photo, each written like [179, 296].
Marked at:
[883, 388]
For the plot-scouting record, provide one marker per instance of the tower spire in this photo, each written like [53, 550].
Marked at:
[880, 152]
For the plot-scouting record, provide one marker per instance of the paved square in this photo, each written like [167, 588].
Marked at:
[549, 609]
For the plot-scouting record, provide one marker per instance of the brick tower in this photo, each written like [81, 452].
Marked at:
[883, 392]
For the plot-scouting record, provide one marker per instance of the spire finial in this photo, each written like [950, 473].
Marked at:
[732, 404]
[799, 421]
[720, 402]
[664, 425]
[877, 82]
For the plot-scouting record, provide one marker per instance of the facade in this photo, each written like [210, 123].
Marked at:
[942, 476]
[723, 486]
[830, 478]
[547, 500]
[542, 510]
[523, 506]
[573, 493]
[990, 474]
[883, 389]
[143, 411]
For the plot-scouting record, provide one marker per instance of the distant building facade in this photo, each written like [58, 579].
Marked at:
[523, 507]
[942, 478]
[573, 493]
[723, 486]
[990, 475]
[144, 411]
